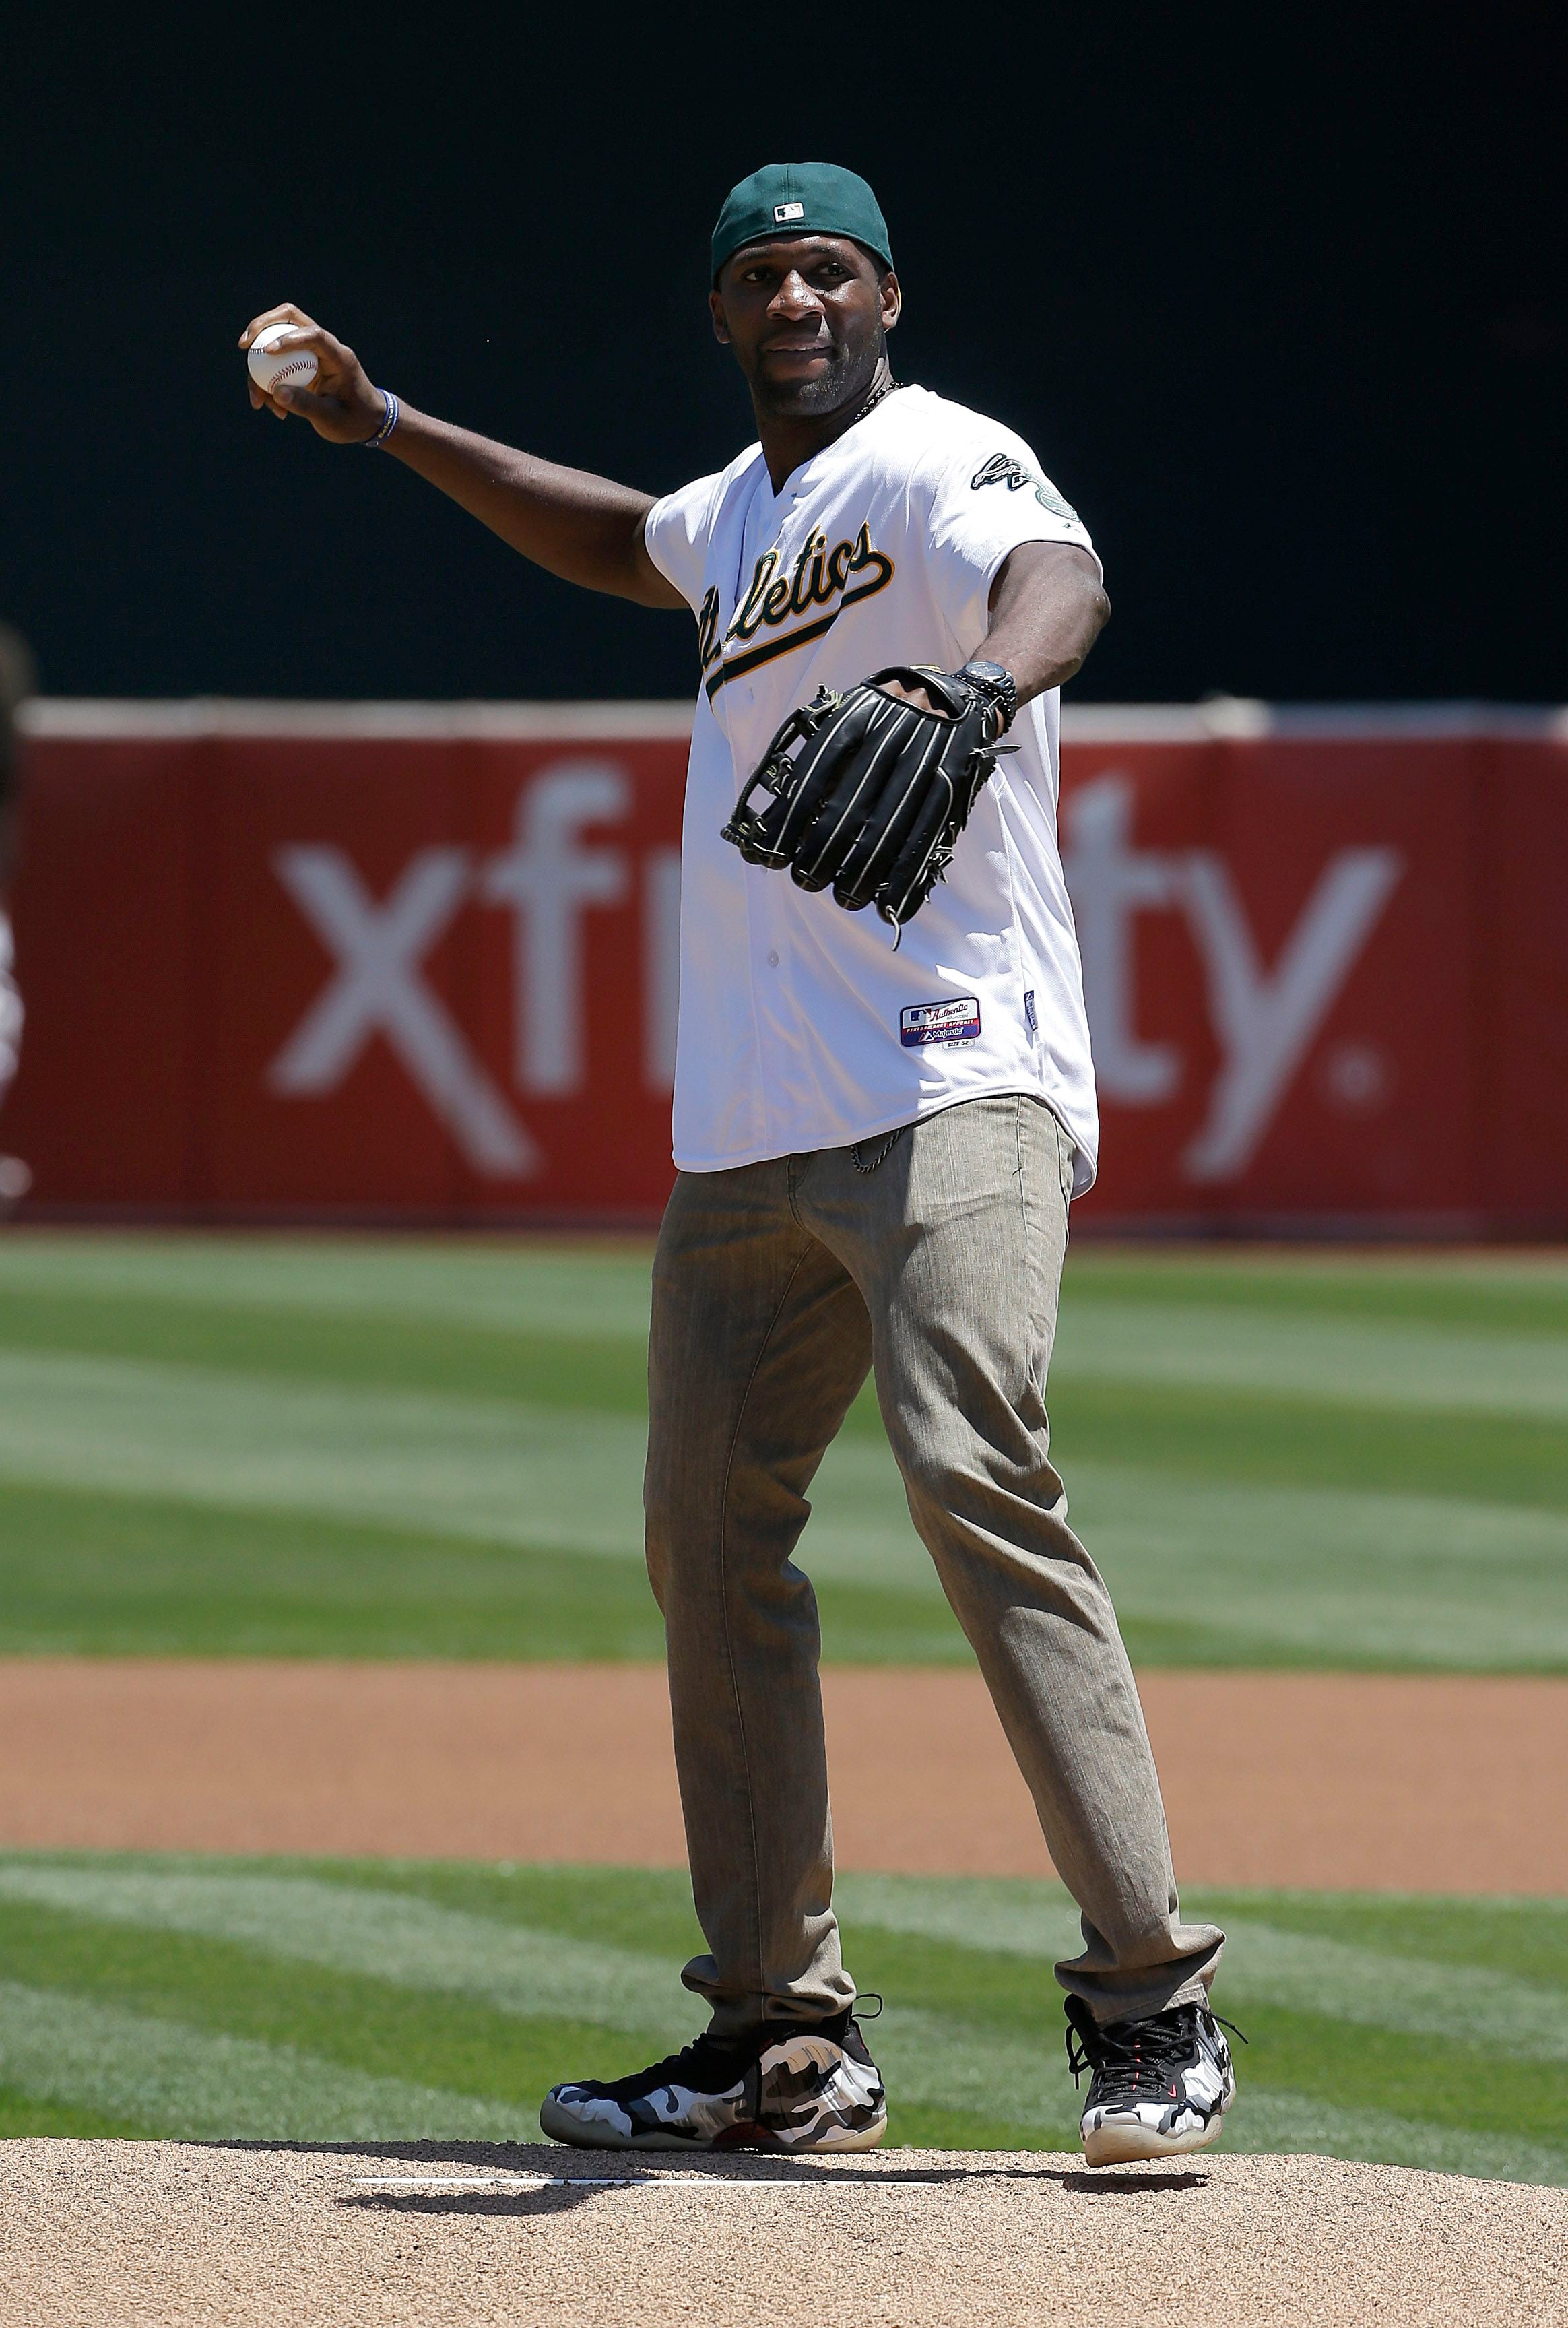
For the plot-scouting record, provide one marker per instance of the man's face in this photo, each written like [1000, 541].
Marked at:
[806, 316]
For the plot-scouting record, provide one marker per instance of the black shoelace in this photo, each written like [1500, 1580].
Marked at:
[1138, 2056]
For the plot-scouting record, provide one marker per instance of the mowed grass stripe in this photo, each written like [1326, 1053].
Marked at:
[511, 1968]
[104, 1574]
[1453, 2078]
[1265, 2121]
[1235, 1436]
[1524, 1936]
[502, 1471]
[487, 1470]
[437, 2039]
[123, 1575]
[502, 1981]
[1449, 2081]
[166, 2078]
[467, 1467]
[1241, 1438]
[370, 1349]
[986, 2083]
[172, 1555]
[1339, 1360]
[596, 1288]
[379, 1935]
[36, 2118]
[1494, 1292]
[1442, 1367]
[990, 2077]
[1263, 1963]
[492, 1398]
[1210, 1572]
[579, 1290]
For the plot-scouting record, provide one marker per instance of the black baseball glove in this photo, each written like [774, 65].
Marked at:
[874, 800]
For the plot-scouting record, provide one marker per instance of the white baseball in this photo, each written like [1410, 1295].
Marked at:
[270, 366]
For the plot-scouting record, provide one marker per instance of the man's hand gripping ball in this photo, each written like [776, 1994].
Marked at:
[873, 801]
[338, 402]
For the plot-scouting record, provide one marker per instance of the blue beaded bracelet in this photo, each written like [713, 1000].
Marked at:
[388, 422]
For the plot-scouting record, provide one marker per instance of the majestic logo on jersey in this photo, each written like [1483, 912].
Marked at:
[920, 1023]
[851, 570]
[1000, 471]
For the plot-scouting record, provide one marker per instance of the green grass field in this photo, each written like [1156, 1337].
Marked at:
[320, 2000]
[397, 1448]
[376, 1447]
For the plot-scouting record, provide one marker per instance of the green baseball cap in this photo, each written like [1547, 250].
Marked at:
[800, 198]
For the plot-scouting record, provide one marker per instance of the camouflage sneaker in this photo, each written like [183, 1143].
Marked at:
[1158, 2086]
[810, 2086]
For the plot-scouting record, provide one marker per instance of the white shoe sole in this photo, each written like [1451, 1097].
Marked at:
[1122, 2142]
[560, 2126]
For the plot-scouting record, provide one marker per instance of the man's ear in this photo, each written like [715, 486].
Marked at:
[892, 299]
[721, 328]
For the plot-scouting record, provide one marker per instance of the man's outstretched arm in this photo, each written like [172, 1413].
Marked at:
[1048, 607]
[586, 529]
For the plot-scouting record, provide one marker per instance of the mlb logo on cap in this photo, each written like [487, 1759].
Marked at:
[785, 194]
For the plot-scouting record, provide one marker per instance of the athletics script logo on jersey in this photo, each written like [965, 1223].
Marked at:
[851, 570]
[1002, 470]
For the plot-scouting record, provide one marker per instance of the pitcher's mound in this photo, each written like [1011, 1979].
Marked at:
[417, 2235]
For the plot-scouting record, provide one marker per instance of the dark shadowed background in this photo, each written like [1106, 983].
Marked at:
[1277, 298]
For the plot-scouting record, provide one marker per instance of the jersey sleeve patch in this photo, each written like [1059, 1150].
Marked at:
[1002, 470]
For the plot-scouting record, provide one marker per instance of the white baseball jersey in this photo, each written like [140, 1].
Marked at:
[800, 1026]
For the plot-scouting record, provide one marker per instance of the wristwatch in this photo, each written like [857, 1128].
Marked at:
[999, 685]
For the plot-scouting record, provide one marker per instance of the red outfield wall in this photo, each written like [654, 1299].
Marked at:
[418, 963]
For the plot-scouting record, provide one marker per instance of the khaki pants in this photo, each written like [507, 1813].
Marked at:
[776, 1288]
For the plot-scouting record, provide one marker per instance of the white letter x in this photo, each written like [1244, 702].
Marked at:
[377, 989]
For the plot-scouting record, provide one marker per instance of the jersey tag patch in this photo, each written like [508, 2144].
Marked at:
[1033, 1023]
[781, 211]
[939, 1023]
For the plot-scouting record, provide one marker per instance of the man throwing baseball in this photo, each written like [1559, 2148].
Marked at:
[884, 1104]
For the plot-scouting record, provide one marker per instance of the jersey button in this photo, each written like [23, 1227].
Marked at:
[772, 961]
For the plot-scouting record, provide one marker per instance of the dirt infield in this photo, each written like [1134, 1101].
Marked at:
[189, 2236]
[1341, 1781]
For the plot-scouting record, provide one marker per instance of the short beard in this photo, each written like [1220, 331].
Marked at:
[847, 380]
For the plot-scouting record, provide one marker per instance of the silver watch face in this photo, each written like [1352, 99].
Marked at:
[998, 686]
[996, 683]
